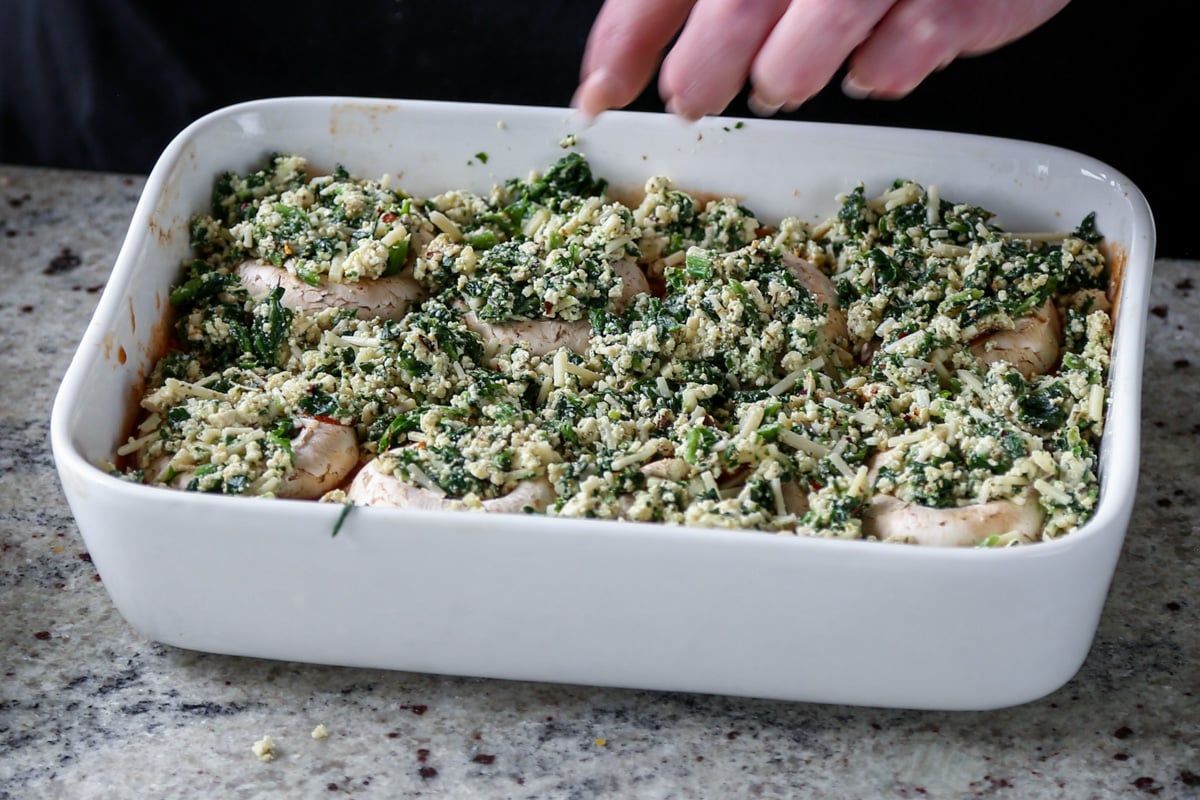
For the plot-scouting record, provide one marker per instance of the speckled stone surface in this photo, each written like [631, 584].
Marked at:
[88, 709]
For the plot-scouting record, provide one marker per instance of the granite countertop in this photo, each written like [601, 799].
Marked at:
[89, 709]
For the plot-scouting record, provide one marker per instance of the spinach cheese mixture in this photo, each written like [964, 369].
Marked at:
[904, 371]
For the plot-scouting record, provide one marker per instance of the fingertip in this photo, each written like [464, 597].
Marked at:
[581, 118]
[761, 106]
[680, 108]
[853, 87]
[857, 87]
[594, 95]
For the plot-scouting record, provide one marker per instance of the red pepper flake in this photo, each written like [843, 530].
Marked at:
[42, 635]
[419, 710]
[1123, 732]
[422, 755]
[1172, 606]
[328, 420]
[85, 557]
[1120, 756]
[1189, 778]
[1159, 311]
[393, 735]
[333, 787]
[484, 758]
[1181, 363]
[388, 217]
[26, 309]
[427, 772]
[1185, 284]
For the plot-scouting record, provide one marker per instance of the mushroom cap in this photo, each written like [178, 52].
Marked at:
[545, 336]
[891, 519]
[1033, 345]
[388, 297]
[376, 486]
[325, 455]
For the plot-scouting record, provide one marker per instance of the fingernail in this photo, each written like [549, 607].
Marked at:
[852, 88]
[677, 107]
[762, 107]
[582, 119]
[592, 98]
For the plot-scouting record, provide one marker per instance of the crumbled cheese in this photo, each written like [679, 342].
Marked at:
[264, 749]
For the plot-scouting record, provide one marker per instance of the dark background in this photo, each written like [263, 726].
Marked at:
[106, 84]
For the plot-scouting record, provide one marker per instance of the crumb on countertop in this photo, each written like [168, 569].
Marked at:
[264, 748]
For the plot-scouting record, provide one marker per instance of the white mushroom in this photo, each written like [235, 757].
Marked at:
[793, 493]
[1032, 345]
[541, 336]
[671, 469]
[536, 494]
[376, 486]
[388, 297]
[545, 336]
[668, 469]
[324, 454]
[633, 283]
[795, 498]
[890, 519]
[822, 288]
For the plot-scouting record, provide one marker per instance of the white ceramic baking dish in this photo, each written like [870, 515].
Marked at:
[592, 602]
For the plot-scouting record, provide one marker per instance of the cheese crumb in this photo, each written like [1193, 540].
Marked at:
[320, 732]
[264, 748]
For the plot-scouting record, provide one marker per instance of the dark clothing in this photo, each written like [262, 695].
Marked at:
[106, 84]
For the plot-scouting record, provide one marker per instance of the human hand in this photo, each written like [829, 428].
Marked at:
[788, 49]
